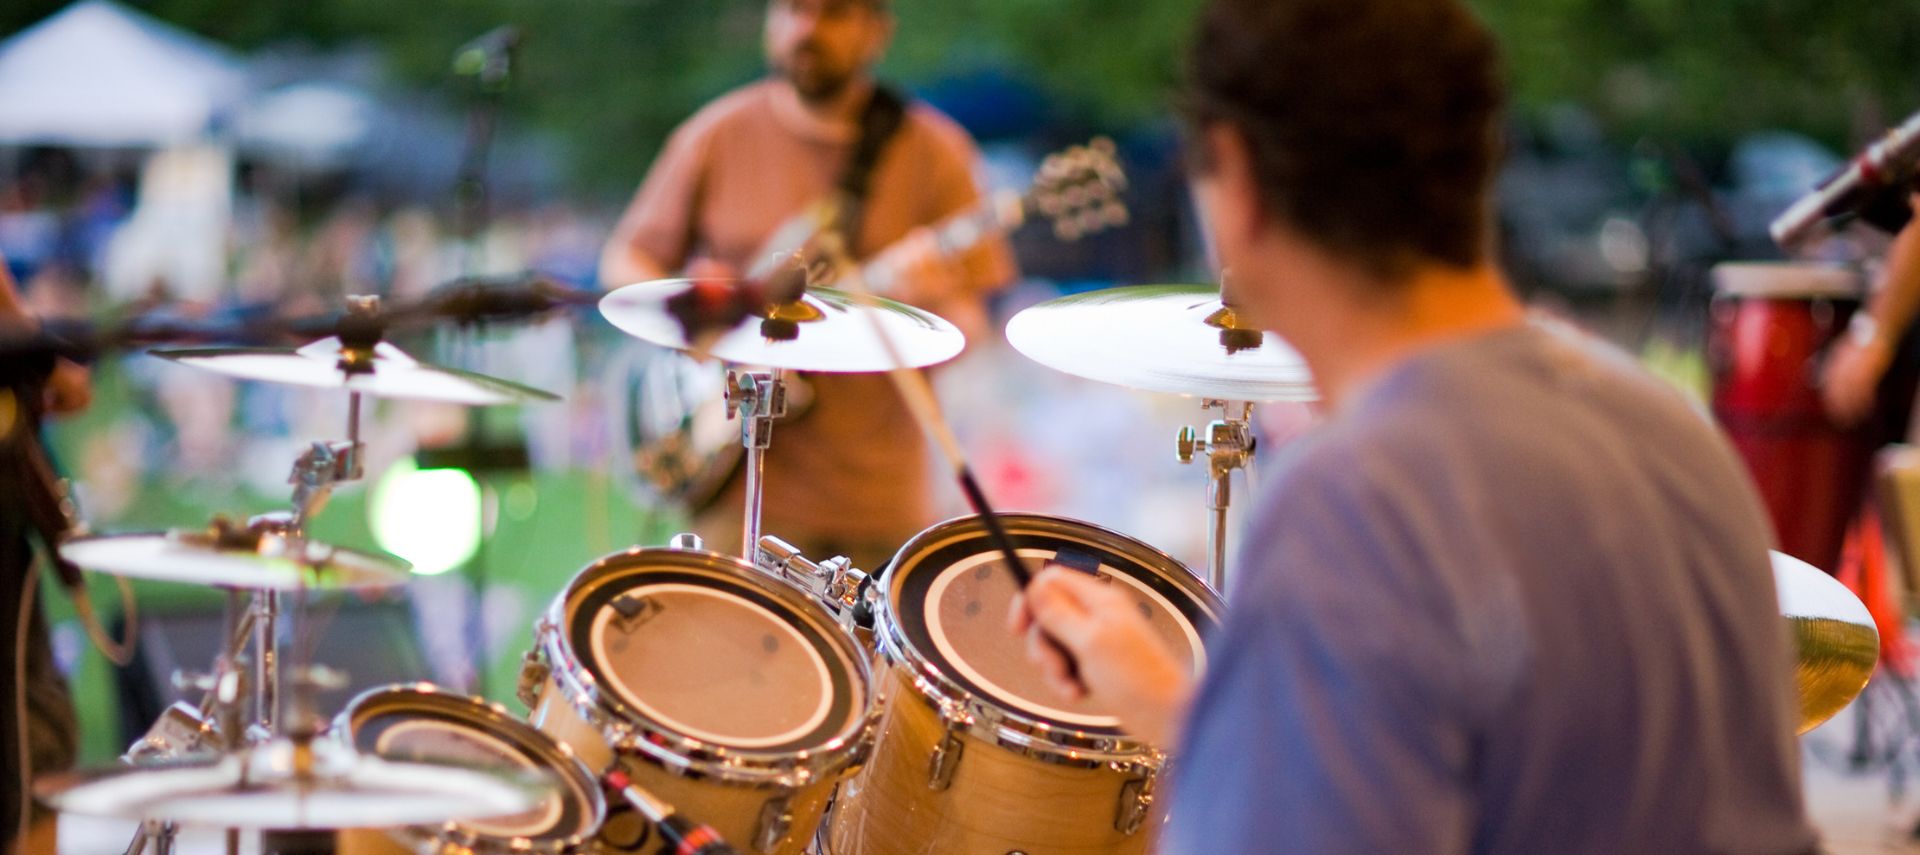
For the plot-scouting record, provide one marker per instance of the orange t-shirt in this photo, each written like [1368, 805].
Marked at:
[853, 467]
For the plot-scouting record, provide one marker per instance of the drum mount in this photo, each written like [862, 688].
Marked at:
[756, 398]
[1227, 445]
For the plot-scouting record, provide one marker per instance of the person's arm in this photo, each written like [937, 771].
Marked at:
[655, 234]
[1334, 714]
[1861, 357]
[69, 387]
[913, 269]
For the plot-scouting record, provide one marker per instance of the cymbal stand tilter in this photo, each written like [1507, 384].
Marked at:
[757, 398]
[1228, 445]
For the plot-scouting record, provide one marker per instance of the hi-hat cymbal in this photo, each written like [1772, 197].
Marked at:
[234, 558]
[1834, 638]
[825, 330]
[1161, 338]
[390, 373]
[264, 787]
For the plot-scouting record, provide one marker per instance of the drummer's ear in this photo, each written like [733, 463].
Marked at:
[1227, 189]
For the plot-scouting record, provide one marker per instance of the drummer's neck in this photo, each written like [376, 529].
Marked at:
[1351, 326]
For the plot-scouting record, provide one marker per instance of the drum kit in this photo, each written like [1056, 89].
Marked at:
[767, 702]
[682, 699]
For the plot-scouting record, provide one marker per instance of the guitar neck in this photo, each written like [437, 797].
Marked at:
[997, 214]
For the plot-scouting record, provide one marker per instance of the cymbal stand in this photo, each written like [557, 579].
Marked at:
[756, 398]
[184, 729]
[1228, 445]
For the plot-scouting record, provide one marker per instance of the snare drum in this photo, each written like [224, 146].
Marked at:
[725, 692]
[1772, 323]
[975, 754]
[421, 722]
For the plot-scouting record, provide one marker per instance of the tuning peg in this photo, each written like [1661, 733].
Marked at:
[1101, 144]
[1114, 214]
[1066, 229]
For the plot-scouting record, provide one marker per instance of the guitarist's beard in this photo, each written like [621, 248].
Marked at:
[814, 77]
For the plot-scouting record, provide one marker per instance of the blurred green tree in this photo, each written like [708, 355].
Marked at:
[611, 77]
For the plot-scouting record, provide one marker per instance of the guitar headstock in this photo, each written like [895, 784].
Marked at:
[1079, 189]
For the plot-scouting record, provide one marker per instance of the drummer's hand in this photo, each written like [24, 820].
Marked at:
[1121, 662]
[914, 270]
[1852, 376]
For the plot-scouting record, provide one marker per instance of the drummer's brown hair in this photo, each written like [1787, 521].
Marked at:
[1373, 125]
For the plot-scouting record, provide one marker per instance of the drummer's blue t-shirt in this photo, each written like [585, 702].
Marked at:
[1514, 599]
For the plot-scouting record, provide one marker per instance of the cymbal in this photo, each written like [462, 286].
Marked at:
[392, 373]
[825, 330]
[1161, 338]
[1836, 644]
[263, 788]
[224, 556]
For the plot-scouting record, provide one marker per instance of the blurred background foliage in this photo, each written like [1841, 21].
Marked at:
[609, 78]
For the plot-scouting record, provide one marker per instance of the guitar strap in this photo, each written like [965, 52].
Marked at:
[885, 113]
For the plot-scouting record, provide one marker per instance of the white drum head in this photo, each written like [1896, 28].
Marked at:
[724, 656]
[421, 724]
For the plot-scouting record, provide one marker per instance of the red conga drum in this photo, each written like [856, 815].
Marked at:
[1771, 325]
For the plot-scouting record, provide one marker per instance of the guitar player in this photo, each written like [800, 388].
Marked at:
[849, 475]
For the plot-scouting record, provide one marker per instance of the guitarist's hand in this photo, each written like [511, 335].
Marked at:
[913, 270]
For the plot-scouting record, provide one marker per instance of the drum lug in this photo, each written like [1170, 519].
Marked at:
[533, 675]
[1136, 799]
[946, 755]
[776, 819]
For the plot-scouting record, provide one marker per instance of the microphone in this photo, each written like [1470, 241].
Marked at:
[489, 56]
[1871, 187]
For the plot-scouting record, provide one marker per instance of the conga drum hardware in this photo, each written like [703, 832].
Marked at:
[728, 692]
[974, 753]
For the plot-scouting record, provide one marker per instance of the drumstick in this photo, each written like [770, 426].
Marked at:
[918, 394]
[681, 836]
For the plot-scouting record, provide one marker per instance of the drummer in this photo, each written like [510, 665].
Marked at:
[1513, 596]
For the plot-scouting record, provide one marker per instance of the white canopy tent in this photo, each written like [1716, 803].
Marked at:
[100, 74]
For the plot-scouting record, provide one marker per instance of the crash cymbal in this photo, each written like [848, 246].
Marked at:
[1161, 338]
[1834, 638]
[234, 557]
[265, 787]
[825, 330]
[390, 373]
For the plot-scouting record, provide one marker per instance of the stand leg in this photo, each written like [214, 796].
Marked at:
[757, 398]
[266, 663]
[1218, 496]
[756, 465]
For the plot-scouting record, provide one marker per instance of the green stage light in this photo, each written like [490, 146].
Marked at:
[430, 517]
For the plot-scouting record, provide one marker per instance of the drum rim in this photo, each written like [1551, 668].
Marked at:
[1827, 284]
[975, 714]
[343, 728]
[629, 732]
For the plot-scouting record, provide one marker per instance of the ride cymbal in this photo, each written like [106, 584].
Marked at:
[825, 330]
[1836, 645]
[1178, 339]
[388, 372]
